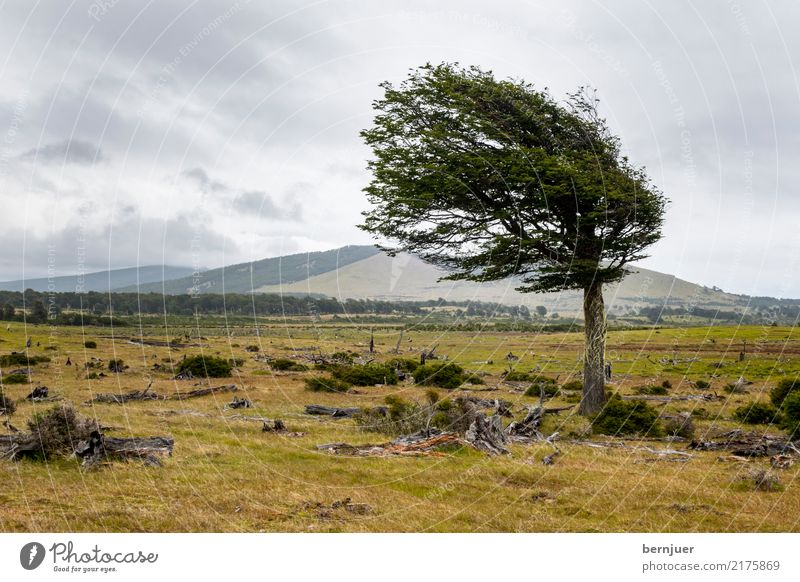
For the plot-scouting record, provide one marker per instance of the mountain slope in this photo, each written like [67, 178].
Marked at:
[246, 277]
[101, 281]
[405, 277]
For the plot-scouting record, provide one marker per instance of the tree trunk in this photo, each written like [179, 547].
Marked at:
[594, 380]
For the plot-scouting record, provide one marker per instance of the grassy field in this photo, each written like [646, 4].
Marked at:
[228, 475]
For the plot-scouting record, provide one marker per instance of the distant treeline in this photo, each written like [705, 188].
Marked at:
[86, 308]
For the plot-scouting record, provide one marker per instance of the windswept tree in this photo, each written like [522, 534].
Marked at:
[492, 178]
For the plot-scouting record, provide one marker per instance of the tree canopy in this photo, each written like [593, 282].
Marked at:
[492, 178]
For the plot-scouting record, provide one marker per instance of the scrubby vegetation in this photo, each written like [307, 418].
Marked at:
[90, 344]
[287, 365]
[627, 417]
[15, 379]
[21, 359]
[756, 413]
[442, 374]
[206, 366]
[782, 390]
[364, 374]
[325, 384]
[59, 430]
[542, 385]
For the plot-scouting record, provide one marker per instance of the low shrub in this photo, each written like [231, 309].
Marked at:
[782, 390]
[287, 365]
[474, 380]
[702, 385]
[206, 366]
[791, 414]
[666, 384]
[342, 358]
[756, 413]
[7, 406]
[442, 374]
[15, 379]
[517, 376]
[542, 384]
[90, 344]
[21, 359]
[365, 375]
[627, 417]
[60, 429]
[325, 384]
[116, 365]
[252, 349]
[680, 425]
[574, 385]
[407, 365]
[236, 362]
[398, 417]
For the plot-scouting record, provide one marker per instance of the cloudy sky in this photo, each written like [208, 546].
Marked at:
[209, 133]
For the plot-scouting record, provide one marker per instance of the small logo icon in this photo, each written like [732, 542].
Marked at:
[31, 555]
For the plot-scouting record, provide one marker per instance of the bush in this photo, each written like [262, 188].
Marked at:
[756, 413]
[60, 429]
[206, 366]
[7, 406]
[702, 385]
[399, 417]
[342, 358]
[406, 365]
[252, 349]
[90, 344]
[542, 384]
[779, 393]
[320, 384]
[21, 359]
[680, 425]
[627, 417]
[15, 379]
[442, 374]
[791, 414]
[474, 380]
[287, 365]
[236, 362]
[116, 365]
[516, 376]
[574, 385]
[364, 375]
[666, 384]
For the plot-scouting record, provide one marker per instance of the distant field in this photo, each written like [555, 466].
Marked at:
[228, 475]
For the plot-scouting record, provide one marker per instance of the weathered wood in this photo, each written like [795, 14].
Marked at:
[239, 403]
[416, 445]
[748, 444]
[486, 434]
[318, 409]
[135, 395]
[204, 392]
[528, 427]
[100, 448]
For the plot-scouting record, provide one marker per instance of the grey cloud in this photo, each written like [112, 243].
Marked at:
[262, 205]
[66, 152]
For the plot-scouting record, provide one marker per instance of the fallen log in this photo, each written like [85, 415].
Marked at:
[204, 392]
[100, 448]
[687, 397]
[744, 444]
[528, 427]
[145, 394]
[318, 409]
[38, 393]
[239, 403]
[410, 446]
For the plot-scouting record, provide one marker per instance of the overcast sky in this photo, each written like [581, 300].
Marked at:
[210, 133]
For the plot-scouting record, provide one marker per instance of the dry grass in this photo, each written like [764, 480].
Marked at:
[227, 475]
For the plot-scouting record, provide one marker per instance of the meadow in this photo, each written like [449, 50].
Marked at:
[227, 475]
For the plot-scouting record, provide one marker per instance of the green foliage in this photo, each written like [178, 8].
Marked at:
[15, 379]
[90, 344]
[702, 385]
[252, 348]
[756, 413]
[518, 376]
[325, 384]
[287, 365]
[21, 359]
[236, 362]
[786, 386]
[116, 365]
[457, 153]
[791, 414]
[407, 365]
[680, 425]
[627, 417]
[542, 384]
[666, 384]
[364, 375]
[59, 430]
[575, 385]
[7, 405]
[342, 358]
[442, 374]
[206, 366]
[474, 380]
[398, 417]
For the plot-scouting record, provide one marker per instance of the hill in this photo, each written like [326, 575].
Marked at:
[101, 281]
[247, 277]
